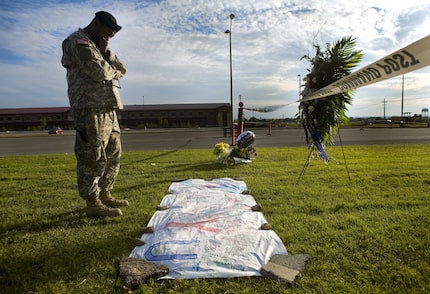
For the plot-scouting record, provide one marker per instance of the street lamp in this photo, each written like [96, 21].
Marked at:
[300, 84]
[231, 82]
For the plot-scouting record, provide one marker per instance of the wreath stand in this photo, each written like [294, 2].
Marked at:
[312, 149]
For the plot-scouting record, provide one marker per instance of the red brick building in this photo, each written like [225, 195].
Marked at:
[133, 116]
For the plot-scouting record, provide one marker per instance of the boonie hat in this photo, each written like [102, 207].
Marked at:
[108, 20]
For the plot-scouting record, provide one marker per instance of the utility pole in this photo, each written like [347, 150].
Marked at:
[384, 102]
[403, 91]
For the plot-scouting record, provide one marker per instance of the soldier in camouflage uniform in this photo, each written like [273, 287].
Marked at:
[93, 73]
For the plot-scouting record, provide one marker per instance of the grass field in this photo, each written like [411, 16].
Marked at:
[366, 234]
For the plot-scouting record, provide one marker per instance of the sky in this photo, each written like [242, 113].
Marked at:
[176, 51]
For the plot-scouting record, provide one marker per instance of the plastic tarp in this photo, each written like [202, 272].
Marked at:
[209, 231]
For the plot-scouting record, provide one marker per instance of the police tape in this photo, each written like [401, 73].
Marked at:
[407, 59]
[269, 108]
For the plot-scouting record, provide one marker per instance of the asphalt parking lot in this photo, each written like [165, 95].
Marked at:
[29, 143]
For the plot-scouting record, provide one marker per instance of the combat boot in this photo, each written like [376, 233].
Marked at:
[95, 208]
[107, 199]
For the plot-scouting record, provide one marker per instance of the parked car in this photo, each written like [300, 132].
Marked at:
[55, 131]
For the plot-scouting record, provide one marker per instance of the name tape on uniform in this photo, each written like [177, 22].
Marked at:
[407, 59]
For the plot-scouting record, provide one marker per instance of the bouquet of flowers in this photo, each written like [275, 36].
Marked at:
[322, 117]
[242, 152]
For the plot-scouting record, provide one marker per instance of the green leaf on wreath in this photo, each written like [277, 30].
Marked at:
[326, 114]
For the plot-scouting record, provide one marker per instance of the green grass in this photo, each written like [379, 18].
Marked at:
[367, 234]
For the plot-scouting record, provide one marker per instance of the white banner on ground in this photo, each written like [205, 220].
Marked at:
[209, 231]
[407, 59]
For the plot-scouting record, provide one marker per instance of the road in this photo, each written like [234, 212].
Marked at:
[31, 143]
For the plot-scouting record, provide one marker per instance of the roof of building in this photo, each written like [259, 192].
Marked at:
[187, 106]
[153, 107]
[36, 110]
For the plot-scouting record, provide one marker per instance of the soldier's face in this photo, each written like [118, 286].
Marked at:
[104, 32]
[107, 33]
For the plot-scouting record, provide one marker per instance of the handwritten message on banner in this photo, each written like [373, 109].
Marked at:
[209, 231]
[407, 59]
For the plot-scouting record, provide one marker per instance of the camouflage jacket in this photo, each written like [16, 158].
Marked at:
[93, 79]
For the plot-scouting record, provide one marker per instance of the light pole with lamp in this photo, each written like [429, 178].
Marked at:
[231, 82]
[300, 84]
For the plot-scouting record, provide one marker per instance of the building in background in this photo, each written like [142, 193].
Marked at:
[133, 116]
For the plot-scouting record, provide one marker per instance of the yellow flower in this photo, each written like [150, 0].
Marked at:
[243, 153]
[221, 148]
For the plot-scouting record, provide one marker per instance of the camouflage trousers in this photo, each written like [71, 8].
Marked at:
[97, 151]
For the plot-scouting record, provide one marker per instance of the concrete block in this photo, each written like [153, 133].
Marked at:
[297, 261]
[134, 272]
[280, 273]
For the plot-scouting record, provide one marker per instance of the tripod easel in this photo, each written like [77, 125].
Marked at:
[312, 149]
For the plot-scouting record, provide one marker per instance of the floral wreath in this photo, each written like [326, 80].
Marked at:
[322, 117]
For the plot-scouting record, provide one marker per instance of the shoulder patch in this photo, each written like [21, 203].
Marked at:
[81, 41]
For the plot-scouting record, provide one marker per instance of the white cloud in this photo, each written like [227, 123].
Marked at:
[176, 51]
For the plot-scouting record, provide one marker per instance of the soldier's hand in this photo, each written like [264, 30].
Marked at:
[103, 45]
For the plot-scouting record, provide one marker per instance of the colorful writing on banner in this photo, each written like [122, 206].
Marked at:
[407, 59]
[150, 256]
[209, 231]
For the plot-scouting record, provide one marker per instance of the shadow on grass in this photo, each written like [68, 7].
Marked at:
[74, 218]
[207, 166]
[68, 265]
[182, 171]
[165, 153]
[71, 246]
[220, 285]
